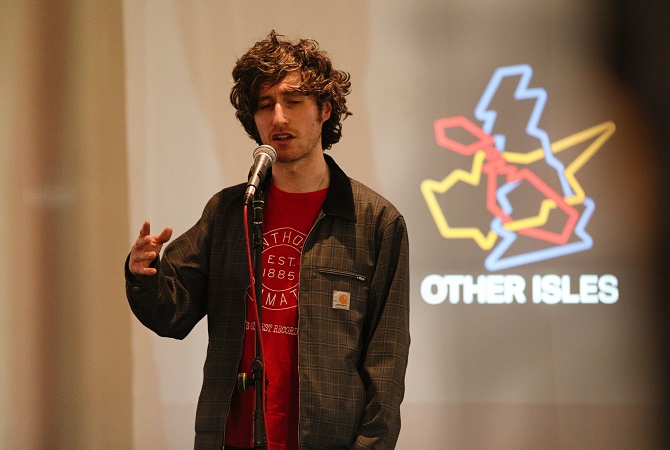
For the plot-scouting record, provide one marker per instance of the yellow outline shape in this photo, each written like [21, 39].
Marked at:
[606, 130]
[533, 222]
[430, 187]
[603, 132]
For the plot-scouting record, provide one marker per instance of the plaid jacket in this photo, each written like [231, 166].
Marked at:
[351, 362]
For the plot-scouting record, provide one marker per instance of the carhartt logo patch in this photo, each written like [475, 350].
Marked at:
[341, 300]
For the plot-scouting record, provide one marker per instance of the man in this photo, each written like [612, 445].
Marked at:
[335, 278]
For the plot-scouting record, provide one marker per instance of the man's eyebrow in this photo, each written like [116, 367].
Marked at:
[291, 93]
[296, 93]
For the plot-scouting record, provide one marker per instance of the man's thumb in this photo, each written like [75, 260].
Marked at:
[165, 235]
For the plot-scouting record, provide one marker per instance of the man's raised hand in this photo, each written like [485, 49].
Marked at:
[146, 250]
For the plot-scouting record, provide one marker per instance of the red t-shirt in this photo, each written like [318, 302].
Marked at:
[288, 218]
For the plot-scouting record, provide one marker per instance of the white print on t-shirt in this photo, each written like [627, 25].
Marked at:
[281, 268]
[274, 328]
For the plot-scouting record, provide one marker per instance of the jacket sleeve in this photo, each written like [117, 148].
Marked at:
[385, 361]
[173, 301]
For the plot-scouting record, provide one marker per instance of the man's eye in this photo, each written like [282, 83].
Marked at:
[264, 106]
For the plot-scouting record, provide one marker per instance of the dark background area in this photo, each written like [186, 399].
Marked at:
[639, 52]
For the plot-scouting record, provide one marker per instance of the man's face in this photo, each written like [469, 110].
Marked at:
[290, 121]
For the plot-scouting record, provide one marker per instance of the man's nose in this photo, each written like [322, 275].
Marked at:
[279, 118]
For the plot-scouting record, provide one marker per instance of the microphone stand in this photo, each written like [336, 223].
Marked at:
[257, 363]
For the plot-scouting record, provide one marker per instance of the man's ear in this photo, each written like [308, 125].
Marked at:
[326, 109]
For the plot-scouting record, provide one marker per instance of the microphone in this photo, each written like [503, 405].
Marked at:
[264, 157]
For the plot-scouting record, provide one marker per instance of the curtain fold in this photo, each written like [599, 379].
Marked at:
[65, 333]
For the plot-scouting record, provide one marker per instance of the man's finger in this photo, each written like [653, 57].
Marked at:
[143, 270]
[146, 229]
[165, 236]
[148, 256]
[141, 242]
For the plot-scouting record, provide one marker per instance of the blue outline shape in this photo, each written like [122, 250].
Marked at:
[495, 260]
[522, 92]
[502, 193]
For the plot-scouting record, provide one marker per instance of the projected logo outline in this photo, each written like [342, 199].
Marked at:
[491, 161]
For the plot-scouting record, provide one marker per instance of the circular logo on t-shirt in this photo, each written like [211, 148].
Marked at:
[281, 267]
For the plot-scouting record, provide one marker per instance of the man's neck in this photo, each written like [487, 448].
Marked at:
[301, 176]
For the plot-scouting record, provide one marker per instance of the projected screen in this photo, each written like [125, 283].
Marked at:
[524, 172]
[538, 209]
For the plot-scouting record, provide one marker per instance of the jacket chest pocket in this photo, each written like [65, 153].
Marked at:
[345, 274]
[339, 314]
[349, 288]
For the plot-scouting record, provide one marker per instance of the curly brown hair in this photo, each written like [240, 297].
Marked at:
[269, 61]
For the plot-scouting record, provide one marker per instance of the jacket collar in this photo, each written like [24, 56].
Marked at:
[340, 197]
